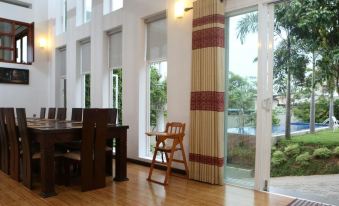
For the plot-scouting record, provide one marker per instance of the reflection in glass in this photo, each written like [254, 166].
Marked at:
[24, 49]
[18, 50]
[240, 114]
[5, 27]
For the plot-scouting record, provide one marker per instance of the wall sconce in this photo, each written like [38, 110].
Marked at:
[180, 8]
[42, 43]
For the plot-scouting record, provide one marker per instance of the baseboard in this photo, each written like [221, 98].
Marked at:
[147, 164]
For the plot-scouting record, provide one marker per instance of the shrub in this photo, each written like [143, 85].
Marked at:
[336, 151]
[292, 149]
[274, 148]
[278, 157]
[322, 153]
[304, 158]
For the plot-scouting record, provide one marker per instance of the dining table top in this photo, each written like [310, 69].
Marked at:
[53, 125]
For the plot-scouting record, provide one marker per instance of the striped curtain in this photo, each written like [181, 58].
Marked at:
[207, 96]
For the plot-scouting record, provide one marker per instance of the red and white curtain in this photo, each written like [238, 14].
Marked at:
[207, 96]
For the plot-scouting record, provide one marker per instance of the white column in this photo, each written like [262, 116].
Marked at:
[179, 58]
[99, 62]
[265, 95]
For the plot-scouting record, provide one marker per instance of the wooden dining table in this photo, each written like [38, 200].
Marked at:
[48, 133]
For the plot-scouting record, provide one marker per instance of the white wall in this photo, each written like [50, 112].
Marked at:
[131, 19]
[34, 95]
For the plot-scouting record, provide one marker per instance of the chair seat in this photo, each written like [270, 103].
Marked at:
[76, 155]
[73, 155]
[166, 149]
[38, 155]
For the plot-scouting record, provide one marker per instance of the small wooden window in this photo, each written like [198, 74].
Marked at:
[16, 42]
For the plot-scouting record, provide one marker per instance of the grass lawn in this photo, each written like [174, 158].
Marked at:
[325, 137]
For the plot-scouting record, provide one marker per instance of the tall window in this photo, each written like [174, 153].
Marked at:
[115, 66]
[61, 67]
[64, 15]
[85, 65]
[21, 46]
[87, 9]
[116, 4]
[156, 79]
[112, 5]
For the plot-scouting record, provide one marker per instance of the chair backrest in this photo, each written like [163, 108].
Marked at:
[94, 134]
[42, 113]
[4, 145]
[26, 145]
[77, 114]
[51, 113]
[13, 140]
[175, 128]
[334, 119]
[61, 114]
[112, 115]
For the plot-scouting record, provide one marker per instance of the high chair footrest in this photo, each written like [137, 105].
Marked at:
[158, 182]
[175, 160]
[160, 163]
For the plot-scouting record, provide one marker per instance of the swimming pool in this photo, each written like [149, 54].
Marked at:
[276, 130]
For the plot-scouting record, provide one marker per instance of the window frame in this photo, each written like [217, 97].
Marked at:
[13, 48]
[147, 150]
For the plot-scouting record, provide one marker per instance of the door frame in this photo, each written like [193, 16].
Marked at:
[264, 101]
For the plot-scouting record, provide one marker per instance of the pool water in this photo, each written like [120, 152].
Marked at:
[276, 130]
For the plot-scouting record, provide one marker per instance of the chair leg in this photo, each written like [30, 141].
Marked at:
[67, 171]
[169, 165]
[152, 165]
[109, 159]
[184, 158]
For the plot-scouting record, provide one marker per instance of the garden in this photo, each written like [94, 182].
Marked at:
[309, 154]
[305, 91]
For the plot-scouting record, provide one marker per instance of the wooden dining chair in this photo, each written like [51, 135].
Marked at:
[4, 145]
[30, 150]
[92, 156]
[174, 133]
[42, 112]
[51, 113]
[77, 114]
[61, 114]
[13, 140]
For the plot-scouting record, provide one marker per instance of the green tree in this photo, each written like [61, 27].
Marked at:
[242, 93]
[87, 90]
[158, 95]
[289, 61]
[317, 28]
[118, 98]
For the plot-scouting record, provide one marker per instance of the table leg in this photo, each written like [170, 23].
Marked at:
[47, 167]
[121, 157]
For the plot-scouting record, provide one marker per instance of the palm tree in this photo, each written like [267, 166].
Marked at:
[289, 61]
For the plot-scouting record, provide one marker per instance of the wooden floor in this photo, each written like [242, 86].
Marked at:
[137, 191]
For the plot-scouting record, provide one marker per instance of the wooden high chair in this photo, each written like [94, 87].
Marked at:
[175, 131]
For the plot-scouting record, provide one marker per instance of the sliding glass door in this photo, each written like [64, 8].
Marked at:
[248, 116]
[241, 89]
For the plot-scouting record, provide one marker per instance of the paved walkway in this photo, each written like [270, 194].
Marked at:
[321, 188]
